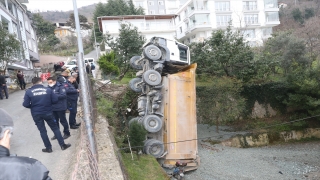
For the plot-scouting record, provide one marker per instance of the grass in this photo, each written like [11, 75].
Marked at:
[146, 168]
[124, 80]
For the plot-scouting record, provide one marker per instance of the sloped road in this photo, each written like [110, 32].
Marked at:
[26, 140]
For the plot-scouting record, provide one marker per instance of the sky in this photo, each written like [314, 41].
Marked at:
[60, 5]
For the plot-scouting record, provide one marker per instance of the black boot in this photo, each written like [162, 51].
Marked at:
[65, 146]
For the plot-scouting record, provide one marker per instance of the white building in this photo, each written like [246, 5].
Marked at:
[16, 19]
[196, 19]
[159, 6]
[255, 18]
[148, 25]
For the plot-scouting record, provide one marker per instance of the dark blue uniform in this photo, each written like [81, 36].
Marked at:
[72, 98]
[59, 108]
[40, 99]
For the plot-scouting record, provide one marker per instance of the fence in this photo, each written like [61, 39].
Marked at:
[86, 166]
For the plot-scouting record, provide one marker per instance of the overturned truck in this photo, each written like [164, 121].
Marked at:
[167, 104]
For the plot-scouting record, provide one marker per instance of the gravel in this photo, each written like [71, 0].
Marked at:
[283, 161]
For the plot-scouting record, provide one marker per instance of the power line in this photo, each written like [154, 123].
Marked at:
[290, 122]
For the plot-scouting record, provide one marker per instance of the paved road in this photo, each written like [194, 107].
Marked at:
[26, 140]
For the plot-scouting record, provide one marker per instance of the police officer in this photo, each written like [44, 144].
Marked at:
[59, 109]
[72, 98]
[40, 99]
[63, 77]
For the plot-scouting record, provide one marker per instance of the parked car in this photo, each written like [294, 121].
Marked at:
[72, 64]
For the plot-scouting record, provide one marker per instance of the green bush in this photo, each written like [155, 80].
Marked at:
[220, 101]
[137, 135]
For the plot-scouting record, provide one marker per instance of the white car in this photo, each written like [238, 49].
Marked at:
[71, 64]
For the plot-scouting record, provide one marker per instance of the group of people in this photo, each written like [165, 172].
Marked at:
[58, 66]
[49, 104]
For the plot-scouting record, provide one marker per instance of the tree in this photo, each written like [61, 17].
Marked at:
[113, 8]
[49, 43]
[225, 53]
[297, 15]
[137, 135]
[83, 22]
[106, 64]
[127, 45]
[43, 27]
[287, 49]
[10, 48]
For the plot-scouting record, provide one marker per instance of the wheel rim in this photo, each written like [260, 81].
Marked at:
[153, 77]
[153, 52]
[155, 149]
[152, 123]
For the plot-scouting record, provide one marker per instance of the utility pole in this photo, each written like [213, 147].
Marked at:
[95, 42]
[84, 86]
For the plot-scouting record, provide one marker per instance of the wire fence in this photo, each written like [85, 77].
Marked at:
[86, 166]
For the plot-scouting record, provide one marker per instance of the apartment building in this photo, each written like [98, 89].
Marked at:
[254, 18]
[17, 20]
[155, 7]
[148, 25]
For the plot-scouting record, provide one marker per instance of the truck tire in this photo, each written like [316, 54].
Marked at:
[152, 123]
[134, 62]
[136, 119]
[133, 85]
[152, 77]
[152, 52]
[154, 147]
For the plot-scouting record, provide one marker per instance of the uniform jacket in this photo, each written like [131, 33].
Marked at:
[21, 168]
[60, 91]
[61, 79]
[72, 92]
[39, 99]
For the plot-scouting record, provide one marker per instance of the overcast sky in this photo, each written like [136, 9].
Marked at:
[60, 5]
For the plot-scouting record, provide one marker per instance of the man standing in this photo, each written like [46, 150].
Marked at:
[22, 83]
[3, 85]
[93, 68]
[14, 167]
[59, 109]
[40, 99]
[63, 77]
[72, 98]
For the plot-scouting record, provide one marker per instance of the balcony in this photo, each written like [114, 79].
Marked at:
[199, 25]
[201, 10]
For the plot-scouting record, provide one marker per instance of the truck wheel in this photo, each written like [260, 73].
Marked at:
[154, 148]
[133, 120]
[152, 77]
[152, 123]
[152, 52]
[134, 85]
[134, 62]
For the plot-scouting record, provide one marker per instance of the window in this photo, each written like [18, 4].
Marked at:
[183, 51]
[3, 3]
[179, 18]
[223, 20]
[249, 33]
[29, 44]
[267, 31]
[161, 11]
[152, 12]
[271, 3]
[150, 3]
[26, 25]
[15, 29]
[222, 6]
[272, 16]
[5, 23]
[180, 29]
[21, 26]
[160, 3]
[251, 19]
[249, 5]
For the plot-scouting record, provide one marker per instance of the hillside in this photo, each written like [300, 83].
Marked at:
[63, 16]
